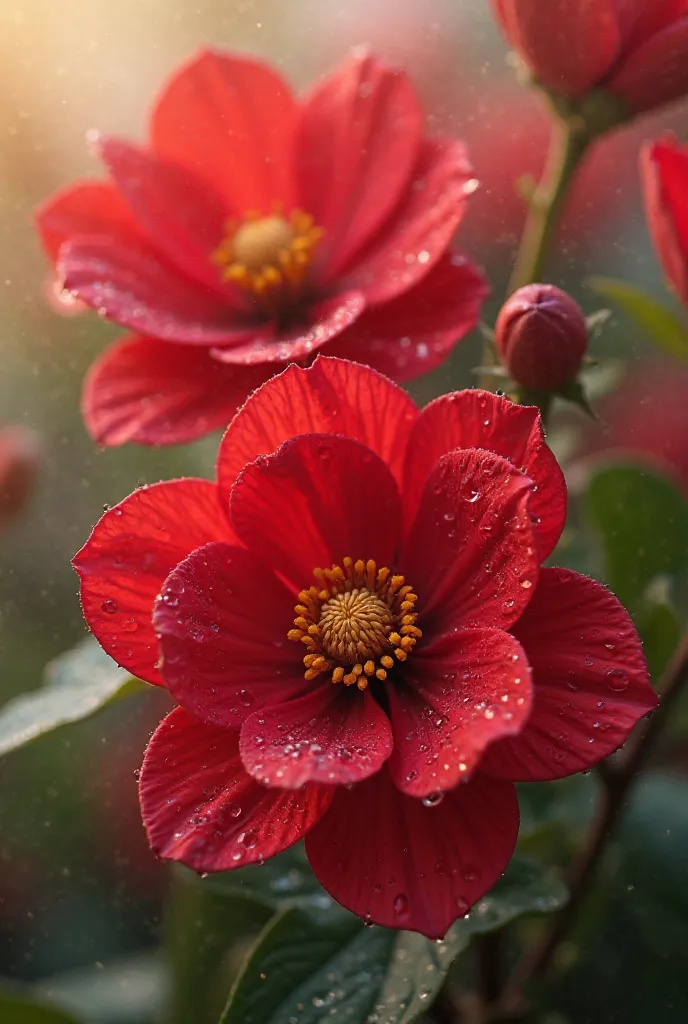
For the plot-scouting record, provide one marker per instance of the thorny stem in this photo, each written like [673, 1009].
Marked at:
[617, 782]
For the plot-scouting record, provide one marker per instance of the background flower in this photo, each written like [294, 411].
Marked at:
[256, 229]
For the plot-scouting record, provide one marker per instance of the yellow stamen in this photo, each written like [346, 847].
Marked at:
[268, 256]
[358, 622]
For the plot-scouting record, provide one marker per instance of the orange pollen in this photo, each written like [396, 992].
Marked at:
[265, 255]
[356, 623]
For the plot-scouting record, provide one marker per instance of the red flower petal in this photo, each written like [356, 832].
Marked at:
[330, 397]
[478, 419]
[130, 552]
[416, 332]
[657, 71]
[326, 319]
[155, 392]
[418, 233]
[181, 214]
[400, 864]
[201, 808]
[231, 120]
[480, 566]
[133, 287]
[317, 499]
[334, 734]
[569, 46]
[357, 146]
[664, 173]
[590, 680]
[460, 694]
[87, 208]
[222, 622]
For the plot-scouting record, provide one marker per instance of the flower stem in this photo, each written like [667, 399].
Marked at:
[568, 145]
[617, 782]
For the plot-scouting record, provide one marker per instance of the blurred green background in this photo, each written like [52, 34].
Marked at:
[78, 886]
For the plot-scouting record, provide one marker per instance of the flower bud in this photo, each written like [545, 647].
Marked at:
[19, 454]
[542, 337]
[664, 176]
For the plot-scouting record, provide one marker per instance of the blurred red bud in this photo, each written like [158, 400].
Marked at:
[542, 336]
[19, 454]
[636, 50]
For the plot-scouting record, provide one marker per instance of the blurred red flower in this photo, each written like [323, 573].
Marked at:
[633, 49]
[19, 455]
[664, 174]
[352, 540]
[254, 230]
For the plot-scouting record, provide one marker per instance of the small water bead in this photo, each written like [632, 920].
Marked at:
[617, 680]
[401, 904]
[109, 607]
[433, 799]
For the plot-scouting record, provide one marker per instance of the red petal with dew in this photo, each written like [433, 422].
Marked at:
[132, 286]
[418, 232]
[130, 552]
[334, 734]
[87, 208]
[154, 392]
[460, 693]
[201, 808]
[479, 419]
[222, 621]
[590, 681]
[470, 553]
[231, 120]
[316, 500]
[417, 331]
[325, 320]
[357, 147]
[330, 397]
[182, 216]
[397, 863]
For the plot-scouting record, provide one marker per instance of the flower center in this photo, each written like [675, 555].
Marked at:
[355, 622]
[264, 255]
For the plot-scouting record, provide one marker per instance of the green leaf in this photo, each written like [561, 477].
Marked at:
[282, 881]
[661, 323]
[16, 1008]
[309, 962]
[643, 521]
[78, 683]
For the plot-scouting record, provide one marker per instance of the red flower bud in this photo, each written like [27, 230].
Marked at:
[542, 337]
[664, 173]
[638, 51]
[19, 452]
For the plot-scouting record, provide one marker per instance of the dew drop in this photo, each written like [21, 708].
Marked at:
[109, 607]
[432, 799]
[401, 904]
[617, 680]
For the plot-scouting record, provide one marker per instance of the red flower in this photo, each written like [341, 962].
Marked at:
[634, 49]
[255, 229]
[664, 174]
[363, 646]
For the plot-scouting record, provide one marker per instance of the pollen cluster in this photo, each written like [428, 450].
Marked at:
[265, 255]
[356, 622]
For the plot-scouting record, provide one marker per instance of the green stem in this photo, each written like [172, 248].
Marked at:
[568, 145]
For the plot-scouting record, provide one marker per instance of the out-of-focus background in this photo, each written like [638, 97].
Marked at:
[78, 886]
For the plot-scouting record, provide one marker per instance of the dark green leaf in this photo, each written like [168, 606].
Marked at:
[78, 683]
[643, 521]
[660, 323]
[308, 962]
[22, 1009]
